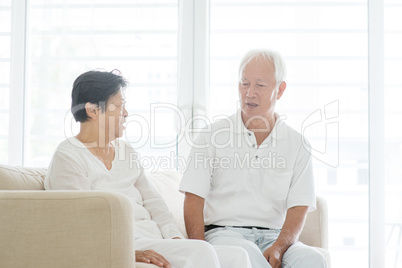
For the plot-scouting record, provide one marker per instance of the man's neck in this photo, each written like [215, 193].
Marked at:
[259, 123]
[261, 126]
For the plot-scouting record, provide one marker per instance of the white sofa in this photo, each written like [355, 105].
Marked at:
[89, 228]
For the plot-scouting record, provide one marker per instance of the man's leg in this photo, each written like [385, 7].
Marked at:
[241, 238]
[300, 255]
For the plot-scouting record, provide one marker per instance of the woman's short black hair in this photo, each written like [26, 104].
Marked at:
[95, 87]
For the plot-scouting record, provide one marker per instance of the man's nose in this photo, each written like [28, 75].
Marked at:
[125, 113]
[250, 91]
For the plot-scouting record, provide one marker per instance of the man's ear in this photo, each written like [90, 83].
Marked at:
[282, 88]
[92, 110]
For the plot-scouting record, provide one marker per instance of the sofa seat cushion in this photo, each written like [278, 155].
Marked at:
[21, 178]
[166, 183]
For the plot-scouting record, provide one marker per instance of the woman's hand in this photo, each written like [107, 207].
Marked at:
[150, 256]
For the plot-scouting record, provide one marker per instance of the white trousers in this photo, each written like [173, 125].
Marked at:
[255, 242]
[188, 253]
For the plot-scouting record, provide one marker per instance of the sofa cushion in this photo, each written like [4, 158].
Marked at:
[21, 178]
[166, 183]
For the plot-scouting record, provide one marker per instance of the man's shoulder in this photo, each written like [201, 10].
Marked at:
[293, 137]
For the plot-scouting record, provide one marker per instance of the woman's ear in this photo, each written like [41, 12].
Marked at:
[92, 110]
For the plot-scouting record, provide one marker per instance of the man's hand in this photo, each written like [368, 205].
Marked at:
[150, 256]
[274, 257]
[290, 232]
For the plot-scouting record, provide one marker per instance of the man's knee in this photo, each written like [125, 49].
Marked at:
[304, 257]
[314, 258]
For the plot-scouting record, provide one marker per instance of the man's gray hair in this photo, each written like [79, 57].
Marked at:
[265, 54]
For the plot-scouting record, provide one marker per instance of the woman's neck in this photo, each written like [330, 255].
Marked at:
[93, 137]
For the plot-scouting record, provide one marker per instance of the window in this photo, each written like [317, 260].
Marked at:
[393, 132]
[5, 52]
[67, 38]
[325, 48]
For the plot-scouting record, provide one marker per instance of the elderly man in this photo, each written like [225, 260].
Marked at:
[249, 181]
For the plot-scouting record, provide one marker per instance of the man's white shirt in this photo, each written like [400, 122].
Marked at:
[248, 186]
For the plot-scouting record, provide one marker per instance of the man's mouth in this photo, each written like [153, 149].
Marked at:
[251, 105]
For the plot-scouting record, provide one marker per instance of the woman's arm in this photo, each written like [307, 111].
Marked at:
[157, 207]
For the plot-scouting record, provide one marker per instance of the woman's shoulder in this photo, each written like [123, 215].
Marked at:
[70, 148]
[70, 145]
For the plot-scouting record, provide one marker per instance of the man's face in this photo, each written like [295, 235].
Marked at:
[258, 89]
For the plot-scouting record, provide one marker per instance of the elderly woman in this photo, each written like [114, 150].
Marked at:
[96, 159]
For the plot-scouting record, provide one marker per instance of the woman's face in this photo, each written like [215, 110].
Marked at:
[115, 116]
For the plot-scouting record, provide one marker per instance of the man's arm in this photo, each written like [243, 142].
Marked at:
[194, 216]
[294, 222]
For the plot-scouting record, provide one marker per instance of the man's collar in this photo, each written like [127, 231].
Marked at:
[278, 132]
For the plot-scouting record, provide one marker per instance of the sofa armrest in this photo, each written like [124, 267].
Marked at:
[315, 231]
[145, 265]
[66, 229]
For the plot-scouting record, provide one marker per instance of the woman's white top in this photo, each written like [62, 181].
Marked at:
[74, 167]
